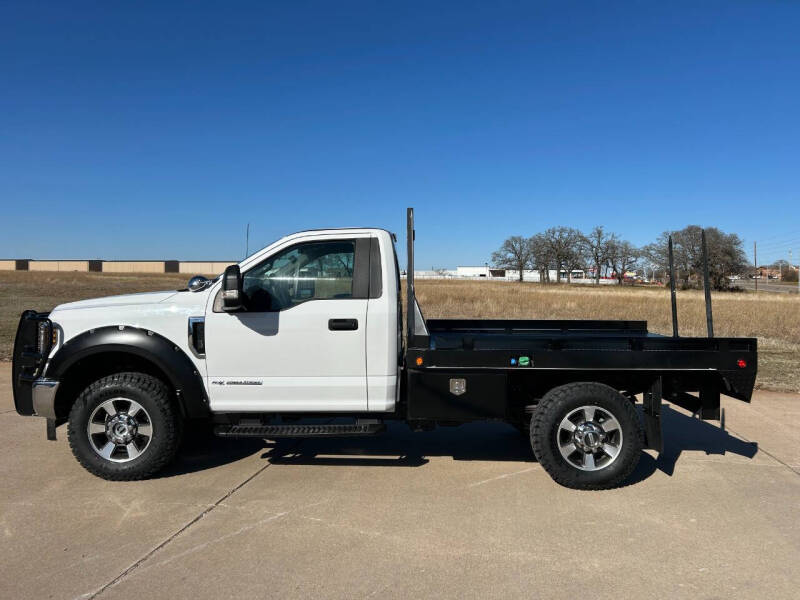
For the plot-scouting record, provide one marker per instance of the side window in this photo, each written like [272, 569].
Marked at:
[310, 271]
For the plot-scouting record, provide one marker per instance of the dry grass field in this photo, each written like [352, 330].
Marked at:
[773, 318]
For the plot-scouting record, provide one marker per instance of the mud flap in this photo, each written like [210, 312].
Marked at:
[709, 403]
[706, 405]
[653, 438]
[51, 429]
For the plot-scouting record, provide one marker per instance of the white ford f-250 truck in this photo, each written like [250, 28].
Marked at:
[312, 326]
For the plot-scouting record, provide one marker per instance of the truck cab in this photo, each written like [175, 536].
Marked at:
[317, 328]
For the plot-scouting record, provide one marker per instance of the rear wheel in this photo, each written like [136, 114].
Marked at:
[586, 436]
[124, 427]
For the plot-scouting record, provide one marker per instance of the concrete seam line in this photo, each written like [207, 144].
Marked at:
[160, 546]
[760, 449]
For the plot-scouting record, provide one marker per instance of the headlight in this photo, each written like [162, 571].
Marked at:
[44, 338]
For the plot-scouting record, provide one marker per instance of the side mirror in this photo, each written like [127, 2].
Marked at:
[198, 283]
[232, 295]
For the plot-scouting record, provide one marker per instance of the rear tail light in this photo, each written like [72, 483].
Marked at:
[741, 363]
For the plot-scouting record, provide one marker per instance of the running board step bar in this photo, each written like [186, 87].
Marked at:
[290, 431]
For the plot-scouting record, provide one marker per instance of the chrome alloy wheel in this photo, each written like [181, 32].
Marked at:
[589, 438]
[119, 429]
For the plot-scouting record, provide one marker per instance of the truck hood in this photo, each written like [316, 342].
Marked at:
[124, 300]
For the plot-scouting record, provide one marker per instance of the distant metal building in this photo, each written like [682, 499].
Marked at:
[487, 272]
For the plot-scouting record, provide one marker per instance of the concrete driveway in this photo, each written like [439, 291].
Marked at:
[461, 513]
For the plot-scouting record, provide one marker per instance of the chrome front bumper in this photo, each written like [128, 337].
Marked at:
[44, 397]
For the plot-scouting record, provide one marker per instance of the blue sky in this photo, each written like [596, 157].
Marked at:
[158, 130]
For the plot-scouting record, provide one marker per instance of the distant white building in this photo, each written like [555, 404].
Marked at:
[483, 271]
[513, 274]
[486, 272]
[434, 274]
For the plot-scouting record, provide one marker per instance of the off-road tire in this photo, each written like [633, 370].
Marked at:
[154, 396]
[555, 405]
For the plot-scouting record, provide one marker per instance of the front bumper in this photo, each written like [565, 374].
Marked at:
[44, 397]
[29, 359]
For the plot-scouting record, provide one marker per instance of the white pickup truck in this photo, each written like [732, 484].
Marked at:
[312, 326]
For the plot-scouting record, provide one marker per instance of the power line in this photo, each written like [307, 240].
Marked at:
[778, 244]
[778, 235]
[777, 249]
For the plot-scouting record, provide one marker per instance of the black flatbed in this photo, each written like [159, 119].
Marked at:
[581, 336]
[585, 346]
[459, 370]
[486, 356]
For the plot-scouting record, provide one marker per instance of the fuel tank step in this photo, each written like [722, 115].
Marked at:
[290, 431]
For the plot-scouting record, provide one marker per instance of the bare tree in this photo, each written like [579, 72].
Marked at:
[725, 254]
[577, 257]
[567, 249]
[597, 245]
[541, 257]
[622, 256]
[515, 253]
[563, 244]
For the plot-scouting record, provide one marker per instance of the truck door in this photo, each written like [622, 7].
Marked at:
[300, 345]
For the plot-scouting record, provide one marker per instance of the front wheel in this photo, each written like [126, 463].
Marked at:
[124, 427]
[586, 436]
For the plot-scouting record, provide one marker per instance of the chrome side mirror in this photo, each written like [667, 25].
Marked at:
[198, 282]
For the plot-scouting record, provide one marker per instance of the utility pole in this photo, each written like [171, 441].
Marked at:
[247, 242]
[755, 264]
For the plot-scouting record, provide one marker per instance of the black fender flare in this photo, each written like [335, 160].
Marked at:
[160, 351]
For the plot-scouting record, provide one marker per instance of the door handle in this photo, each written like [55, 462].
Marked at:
[342, 324]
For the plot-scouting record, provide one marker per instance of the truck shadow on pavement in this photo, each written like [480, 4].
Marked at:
[682, 432]
[400, 447]
[202, 450]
